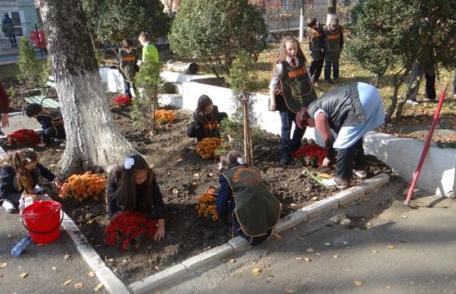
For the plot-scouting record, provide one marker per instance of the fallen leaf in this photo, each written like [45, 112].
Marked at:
[301, 238]
[314, 198]
[375, 251]
[67, 282]
[298, 258]
[358, 283]
[277, 236]
[54, 268]
[257, 271]
[328, 244]
[391, 247]
[307, 259]
[78, 285]
[310, 250]
[91, 274]
[232, 260]
[23, 275]
[335, 256]
[66, 256]
[98, 287]
[3, 264]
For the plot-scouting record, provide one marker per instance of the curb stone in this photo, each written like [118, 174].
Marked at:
[238, 243]
[110, 281]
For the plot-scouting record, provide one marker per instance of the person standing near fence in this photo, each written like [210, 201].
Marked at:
[334, 43]
[8, 30]
[316, 47]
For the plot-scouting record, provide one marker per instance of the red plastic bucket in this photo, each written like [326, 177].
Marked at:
[42, 219]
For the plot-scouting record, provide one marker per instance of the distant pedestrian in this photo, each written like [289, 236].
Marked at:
[316, 46]
[8, 30]
[334, 43]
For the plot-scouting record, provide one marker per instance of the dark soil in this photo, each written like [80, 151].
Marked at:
[182, 176]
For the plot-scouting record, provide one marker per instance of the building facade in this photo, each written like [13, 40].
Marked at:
[24, 15]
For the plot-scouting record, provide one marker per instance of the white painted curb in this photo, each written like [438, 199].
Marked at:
[307, 213]
[110, 281]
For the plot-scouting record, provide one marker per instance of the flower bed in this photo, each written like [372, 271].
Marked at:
[24, 137]
[84, 186]
[128, 228]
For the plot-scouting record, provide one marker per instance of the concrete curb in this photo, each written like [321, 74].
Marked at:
[110, 281]
[237, 244]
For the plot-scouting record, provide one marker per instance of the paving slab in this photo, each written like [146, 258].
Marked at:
[46, 266]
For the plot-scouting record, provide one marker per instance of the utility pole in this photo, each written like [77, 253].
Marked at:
[332, 10]
[301, 21]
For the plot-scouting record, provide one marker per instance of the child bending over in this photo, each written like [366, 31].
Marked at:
[132, 186]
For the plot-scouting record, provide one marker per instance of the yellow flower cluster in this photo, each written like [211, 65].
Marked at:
[164, 116]
[206, 206]
[206, 148]
[87, 185]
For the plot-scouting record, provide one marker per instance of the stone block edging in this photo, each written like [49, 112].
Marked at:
[238, 243]
[104, 274]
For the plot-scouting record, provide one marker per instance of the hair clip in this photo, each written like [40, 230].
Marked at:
[240, 160]
[129, 162]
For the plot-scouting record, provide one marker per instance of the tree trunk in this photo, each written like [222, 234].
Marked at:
[91, 136]
[247, 137]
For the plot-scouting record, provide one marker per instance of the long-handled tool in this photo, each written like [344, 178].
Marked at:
[435, 120]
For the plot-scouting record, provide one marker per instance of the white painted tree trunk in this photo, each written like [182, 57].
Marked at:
[91, 136]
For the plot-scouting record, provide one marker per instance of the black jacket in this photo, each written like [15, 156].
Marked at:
[157, 209]
[342, 105]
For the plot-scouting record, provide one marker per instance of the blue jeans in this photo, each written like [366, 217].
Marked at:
[127, 87]
[335, 69]
[288, 145]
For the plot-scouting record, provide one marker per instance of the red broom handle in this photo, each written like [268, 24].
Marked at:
[427, 144]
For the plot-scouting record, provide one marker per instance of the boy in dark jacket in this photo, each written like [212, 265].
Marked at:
[50, 121]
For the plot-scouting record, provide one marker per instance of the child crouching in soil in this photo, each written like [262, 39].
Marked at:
[245, 201]
[19, 175]
[50, 121]
[206, 120]
[132, 186]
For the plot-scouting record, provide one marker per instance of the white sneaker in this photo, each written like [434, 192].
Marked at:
[332, 183]
[411, 102]
[362, 174]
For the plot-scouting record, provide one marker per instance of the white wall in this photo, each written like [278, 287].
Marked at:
[222, 97]
[403, 154]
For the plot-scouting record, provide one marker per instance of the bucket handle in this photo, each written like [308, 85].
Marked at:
[46, 232]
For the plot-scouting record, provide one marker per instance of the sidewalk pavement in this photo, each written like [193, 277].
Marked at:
[47, 267]
[388, 248]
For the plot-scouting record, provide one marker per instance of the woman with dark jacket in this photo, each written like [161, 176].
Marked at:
[132, 186]
[206, 120]
[351, 111]
[244, 200]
